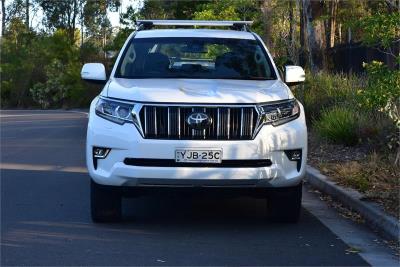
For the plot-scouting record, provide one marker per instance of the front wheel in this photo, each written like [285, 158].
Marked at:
[284, 204]
[105, 203]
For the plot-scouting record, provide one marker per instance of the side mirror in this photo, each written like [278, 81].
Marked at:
[94, 72]
[294, 75]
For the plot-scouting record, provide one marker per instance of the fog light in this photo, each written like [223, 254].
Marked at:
[100, 152]
[295, 155]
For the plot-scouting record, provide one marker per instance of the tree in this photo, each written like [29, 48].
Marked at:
[232, 10]
[16, 47]
[97, 24]
[63, 15]
[315, 32]
[3, 17]
[332, 22]
[27, 14]
[382, 92]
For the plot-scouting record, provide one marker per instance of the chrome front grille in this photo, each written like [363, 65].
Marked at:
[169, 122]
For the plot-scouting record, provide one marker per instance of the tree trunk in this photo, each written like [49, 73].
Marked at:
[27, 14]
[266, 9]
[3, 17]
[349, 35]
[292, 31]
[332, 22]
[74, 14]
[314, 37]
[82, 21]
[310, 34]
[303, 44]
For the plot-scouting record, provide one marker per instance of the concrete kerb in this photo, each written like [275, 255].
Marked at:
[374, 215]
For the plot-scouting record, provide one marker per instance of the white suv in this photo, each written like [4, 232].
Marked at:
[195, 108]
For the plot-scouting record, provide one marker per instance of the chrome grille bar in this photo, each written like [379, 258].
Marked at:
[251, 124]
[145, 121]
[155, 120]
[218, 123]
[168, 123]
[204, 131]
[179, 122]
[228, 122]
[241, 122]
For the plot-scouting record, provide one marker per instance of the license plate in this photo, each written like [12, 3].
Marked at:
[198, 155]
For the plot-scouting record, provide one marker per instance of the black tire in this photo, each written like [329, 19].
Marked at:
[105, 203]
[284, 204]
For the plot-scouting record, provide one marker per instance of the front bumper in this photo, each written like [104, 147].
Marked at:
[126, 142]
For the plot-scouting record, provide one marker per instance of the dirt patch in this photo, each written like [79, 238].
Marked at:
[366, 168]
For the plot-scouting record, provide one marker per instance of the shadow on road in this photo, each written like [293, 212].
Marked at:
[45, 221]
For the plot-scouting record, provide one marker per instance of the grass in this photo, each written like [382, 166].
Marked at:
[376, 177]
[323, 91]
[339, 125]
[349, 143]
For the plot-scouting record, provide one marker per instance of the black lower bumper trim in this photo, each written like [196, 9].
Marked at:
[239, 163]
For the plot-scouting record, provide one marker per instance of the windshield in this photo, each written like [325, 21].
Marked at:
[195, 58]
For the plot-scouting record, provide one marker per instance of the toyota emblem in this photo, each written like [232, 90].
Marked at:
[198, 120]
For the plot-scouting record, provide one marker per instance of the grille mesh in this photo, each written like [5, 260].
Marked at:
[169, 122]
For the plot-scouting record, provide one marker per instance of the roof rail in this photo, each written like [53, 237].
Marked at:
[234, 25]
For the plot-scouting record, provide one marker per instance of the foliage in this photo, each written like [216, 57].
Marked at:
[383, 88]
[232, 10]
[322, 91]
[382, 91]
[45, 62]
[373, 175]
[339, 125]
[62, 83]
[31, 52]
[119, 39]
[381, 28]
[15, 50]
[53, 91]
[353, 176]
[156, 9]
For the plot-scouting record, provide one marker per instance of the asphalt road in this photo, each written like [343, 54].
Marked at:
[45, 213]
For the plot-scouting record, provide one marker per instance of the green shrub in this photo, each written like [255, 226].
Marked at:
[382, 92]
[323, 91]
[63, 86]
[339, 125]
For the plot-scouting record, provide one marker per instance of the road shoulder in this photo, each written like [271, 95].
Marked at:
[376, 217]
[359, 238]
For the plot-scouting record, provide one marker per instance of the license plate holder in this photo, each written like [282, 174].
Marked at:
[198, 155]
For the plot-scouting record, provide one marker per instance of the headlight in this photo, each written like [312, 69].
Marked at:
[279, 113]
[115, 111]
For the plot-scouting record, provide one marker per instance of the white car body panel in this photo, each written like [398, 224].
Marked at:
[197, 90]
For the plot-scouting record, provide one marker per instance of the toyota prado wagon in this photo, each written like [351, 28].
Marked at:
[192, 105]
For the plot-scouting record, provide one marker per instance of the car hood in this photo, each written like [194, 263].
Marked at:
[197, 90]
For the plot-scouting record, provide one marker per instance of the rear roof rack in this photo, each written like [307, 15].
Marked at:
[234, 25]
